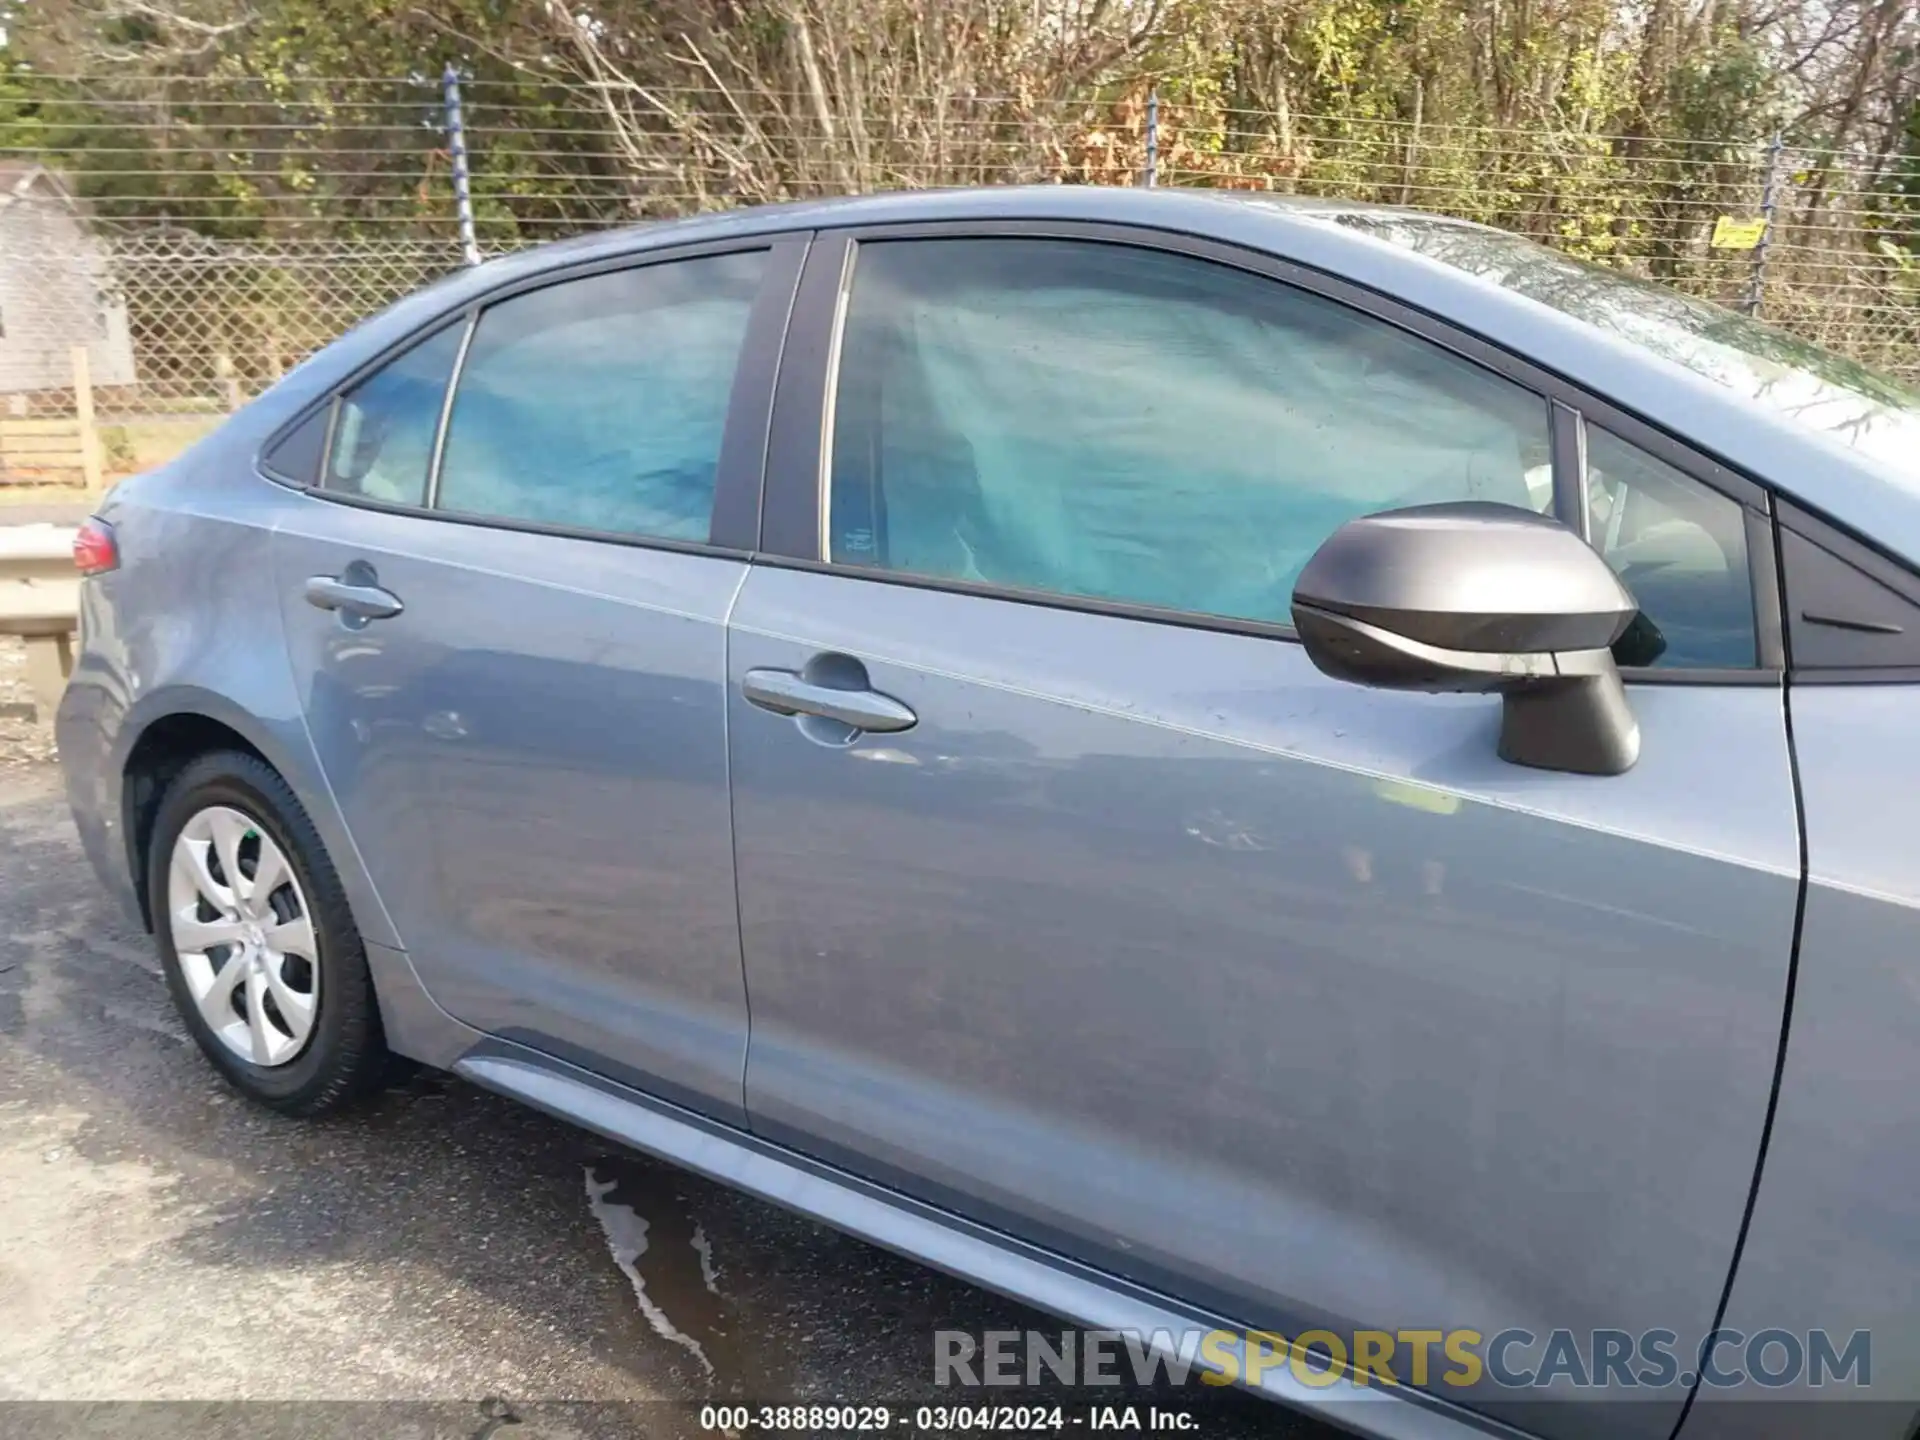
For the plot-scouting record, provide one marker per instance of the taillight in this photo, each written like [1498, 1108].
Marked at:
[95, 551]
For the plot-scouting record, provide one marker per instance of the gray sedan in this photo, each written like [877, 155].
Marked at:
[1324, 788]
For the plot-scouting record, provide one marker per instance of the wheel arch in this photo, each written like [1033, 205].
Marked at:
[168, 730]
[163, 748]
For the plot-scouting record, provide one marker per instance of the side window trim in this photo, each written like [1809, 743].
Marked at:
[1570, 468]
[432, 498]
[792, 530]
[319, 480]
[791, 508]
[740, 486]
[1853, 612]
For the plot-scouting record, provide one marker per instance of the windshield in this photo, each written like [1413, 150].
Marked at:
[1859, 407]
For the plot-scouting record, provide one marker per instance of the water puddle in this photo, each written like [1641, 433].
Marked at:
[667, 1258]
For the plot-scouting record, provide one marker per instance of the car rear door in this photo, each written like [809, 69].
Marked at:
[505, 607]
[1074, 899]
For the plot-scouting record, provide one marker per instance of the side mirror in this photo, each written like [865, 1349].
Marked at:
[1482, 598]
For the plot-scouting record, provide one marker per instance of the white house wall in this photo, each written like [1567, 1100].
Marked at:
[53, 279]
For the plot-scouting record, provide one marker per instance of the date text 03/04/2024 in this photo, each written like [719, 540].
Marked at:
[935, 1419]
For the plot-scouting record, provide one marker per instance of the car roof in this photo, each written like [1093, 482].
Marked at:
[1822, 471]
[1181, 210]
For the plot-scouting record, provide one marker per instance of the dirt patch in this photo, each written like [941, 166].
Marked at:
[23, 741]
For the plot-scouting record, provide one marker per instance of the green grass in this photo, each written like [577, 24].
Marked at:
[131, 446]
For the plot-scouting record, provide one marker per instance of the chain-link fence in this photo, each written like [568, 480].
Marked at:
[179, 244]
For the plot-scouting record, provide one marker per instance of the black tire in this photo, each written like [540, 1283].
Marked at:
[346, 1056]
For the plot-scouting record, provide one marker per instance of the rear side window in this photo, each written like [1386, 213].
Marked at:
[1681, 549]
[1122, 423]
[600, 403]
[297, 454]
[383, 432]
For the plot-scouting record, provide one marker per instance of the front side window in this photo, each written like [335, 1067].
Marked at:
[600, 403]
[1124, 424]
[384, 427]
[1681, 549]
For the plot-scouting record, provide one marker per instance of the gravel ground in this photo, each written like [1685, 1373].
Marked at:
[442, 1262]
[22, 742]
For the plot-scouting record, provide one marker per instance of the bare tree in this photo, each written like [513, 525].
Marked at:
[765, 101]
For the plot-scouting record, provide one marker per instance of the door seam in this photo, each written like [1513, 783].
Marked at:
[733, 831]
[1779, 1059]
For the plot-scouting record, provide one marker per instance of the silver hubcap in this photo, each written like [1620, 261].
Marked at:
[244, 935]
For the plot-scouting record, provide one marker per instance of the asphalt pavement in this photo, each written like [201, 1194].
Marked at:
[441, 1261]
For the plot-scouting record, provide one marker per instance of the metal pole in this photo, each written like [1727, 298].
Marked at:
[462, 179]
[1757, 279]
[1152, 176]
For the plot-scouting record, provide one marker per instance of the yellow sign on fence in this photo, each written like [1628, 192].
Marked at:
[1730, 233]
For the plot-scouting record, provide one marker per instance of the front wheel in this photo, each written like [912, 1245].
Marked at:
[260, 950]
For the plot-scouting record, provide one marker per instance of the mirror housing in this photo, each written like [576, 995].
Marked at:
[1480, 598]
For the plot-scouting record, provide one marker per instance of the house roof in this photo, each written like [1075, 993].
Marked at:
[18, 181]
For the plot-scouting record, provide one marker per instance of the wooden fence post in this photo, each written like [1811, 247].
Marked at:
[229, 381]
[90, 466]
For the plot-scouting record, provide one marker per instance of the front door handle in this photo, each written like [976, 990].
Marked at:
[364, 601]
[786, 693]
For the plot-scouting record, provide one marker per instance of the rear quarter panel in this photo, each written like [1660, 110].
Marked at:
[190, 623]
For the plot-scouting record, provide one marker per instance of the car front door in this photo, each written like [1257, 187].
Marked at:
[1076, 900]
[505, 606]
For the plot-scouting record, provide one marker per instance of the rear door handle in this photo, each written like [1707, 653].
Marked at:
[361, 600]
[786, 693]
